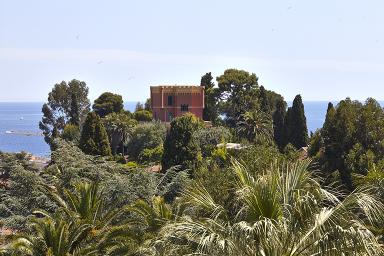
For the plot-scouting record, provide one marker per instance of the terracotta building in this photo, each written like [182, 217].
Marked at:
[170, 101]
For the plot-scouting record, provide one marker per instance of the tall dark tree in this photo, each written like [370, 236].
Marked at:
[265, 104]
[94, 138]
[297, 124]
[180, 147]
[210, 112]
[108, 103]
[67, 103]
[147, 105]
[139, 106]
[238, 94]
[75, 114]
[279, 124]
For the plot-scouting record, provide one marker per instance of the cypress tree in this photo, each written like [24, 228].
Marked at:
[180, 146]
[265, 105]
[287, 127]
[74, 111]
[329, 117]
[297, 124]
[94, 138]
[279, 123]
[210, 112]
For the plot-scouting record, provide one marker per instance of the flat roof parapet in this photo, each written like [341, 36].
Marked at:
[174, 86]
[177, 88]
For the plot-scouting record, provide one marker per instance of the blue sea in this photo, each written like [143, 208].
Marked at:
[19, 125]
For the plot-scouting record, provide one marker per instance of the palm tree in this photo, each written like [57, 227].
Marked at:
[52, 236]
[283, 211]
[88, 204]
[144, 225]
[83, 224]
[119, 128]
[255, 126]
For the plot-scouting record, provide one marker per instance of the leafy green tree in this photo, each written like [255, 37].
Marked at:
[180, 148]
[147, 105]
[108, 103]
[119, 127]
[210, 112]
[353, 139]
[146, 136]
[71, 132]
[316, 145]
[143, 115]
[94, 138]
[209, 137]
[237, 94]
[151, 155]
[139, 106]
[297, 124]
[279, 124]
[67, 103]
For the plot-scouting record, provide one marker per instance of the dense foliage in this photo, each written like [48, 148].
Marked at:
[127, 185]
[237, 94]
[143, 115]
[146, 136]
[119, 127]
[209, 138]
[210, 112]
[296, 124]
[94, 138]
[67, 103]
[351, 140]
[180, 147]
[108, 103]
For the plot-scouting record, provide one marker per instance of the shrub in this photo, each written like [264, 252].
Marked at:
[143, 115]
[209, 137]
[151, 155]
[131, 164]
[146, 136]
[71, 132]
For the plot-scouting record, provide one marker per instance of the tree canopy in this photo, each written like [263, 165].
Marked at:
[67, 103]
[180, 147]
[210, 112]
[296, 122]
[237, 93]
[94, 138]
[108, 103]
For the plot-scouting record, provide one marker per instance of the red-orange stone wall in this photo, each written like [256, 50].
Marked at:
[193, 96]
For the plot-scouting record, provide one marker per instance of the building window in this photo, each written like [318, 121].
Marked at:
[170, 100]
[170, 117]
[184, 107]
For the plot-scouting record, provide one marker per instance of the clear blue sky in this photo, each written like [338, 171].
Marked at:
[323, 50]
